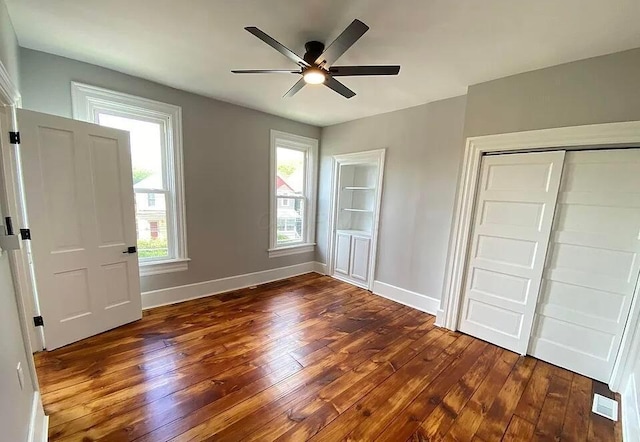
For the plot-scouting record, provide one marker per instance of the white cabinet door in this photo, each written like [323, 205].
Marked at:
[514, 213]
[593, 263]
[343, 253]
[79, 196]
[360, 248]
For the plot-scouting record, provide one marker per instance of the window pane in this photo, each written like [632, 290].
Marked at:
[146, 149]
[290, 221]
[151, 223]
[290, 171]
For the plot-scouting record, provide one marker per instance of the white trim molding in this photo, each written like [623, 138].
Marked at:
[320, 268]
[148, 268]
[411, 299]
[38, 422]
[630, 410]
[173, 295]
[291, 250]
[597, 136]
[89, 101]
[9, 92]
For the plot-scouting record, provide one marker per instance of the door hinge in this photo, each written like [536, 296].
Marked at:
[25, 234]
[14, 137]
[8, 225]
[38, 321]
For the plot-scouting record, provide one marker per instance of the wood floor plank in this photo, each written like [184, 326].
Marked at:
[532, 399]
[396, 391]
[497, 419]
[435, 412]
[281, 335]
[308, 358]
[549, 425]
[389, 362]
[519, 430]
[471, 416]
[403, 422]
[576, 423]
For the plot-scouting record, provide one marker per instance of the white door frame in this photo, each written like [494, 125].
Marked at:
[356, 158]
[596, 136]
[11, 199]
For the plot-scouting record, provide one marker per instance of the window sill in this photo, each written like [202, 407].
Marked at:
[160, 267]
[291, 250]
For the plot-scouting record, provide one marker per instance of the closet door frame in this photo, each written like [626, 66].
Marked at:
[597, 136]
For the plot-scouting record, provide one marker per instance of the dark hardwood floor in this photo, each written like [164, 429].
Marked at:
[307, 358]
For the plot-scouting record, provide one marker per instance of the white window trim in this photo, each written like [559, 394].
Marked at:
[87, 101]
[310, 146]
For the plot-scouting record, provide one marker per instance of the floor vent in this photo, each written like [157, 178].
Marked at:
[605, 407]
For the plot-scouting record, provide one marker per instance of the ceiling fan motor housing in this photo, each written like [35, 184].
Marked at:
[314, 50]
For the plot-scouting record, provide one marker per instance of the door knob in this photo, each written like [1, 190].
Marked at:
[131, 249]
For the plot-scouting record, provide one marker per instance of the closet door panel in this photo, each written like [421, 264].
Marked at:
[343, 253]
[360, 247]
[514, 213]
[593, 264]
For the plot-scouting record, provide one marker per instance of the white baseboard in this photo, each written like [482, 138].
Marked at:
[172, 295]
[630, 411]
[320, 268]
[407, 297]
[39, 423]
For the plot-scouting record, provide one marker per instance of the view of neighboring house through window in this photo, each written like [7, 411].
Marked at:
[156, 158]
[293, 202]
[148, 183]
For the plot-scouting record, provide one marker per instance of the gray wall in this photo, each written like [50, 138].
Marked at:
[15, 403]
[596, 90]
[226, 165]
[424, 148]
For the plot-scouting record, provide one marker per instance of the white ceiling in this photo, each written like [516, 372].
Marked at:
[443, 45]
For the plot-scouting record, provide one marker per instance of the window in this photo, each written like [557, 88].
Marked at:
[293, 185]
[156, 156]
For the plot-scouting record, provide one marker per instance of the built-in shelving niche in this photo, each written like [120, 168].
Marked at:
[357, 182]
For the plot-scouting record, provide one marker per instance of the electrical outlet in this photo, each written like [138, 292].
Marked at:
[20, 376]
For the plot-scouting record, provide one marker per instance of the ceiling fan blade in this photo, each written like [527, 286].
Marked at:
[340, 88]
[295, 89]
[344, 71]
[344, 41]
[277, 46]
[265, 71]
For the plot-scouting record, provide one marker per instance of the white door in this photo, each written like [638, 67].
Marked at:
[360, 247]
[343, 253]
[79, 196]
[593, 264]
[514, 213]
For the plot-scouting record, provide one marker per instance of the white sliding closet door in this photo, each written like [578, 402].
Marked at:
[593, 263]
[514, 213]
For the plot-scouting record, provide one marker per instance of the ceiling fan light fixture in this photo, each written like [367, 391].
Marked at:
[314, 76]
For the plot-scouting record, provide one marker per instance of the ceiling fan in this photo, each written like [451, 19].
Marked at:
[316, 66]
